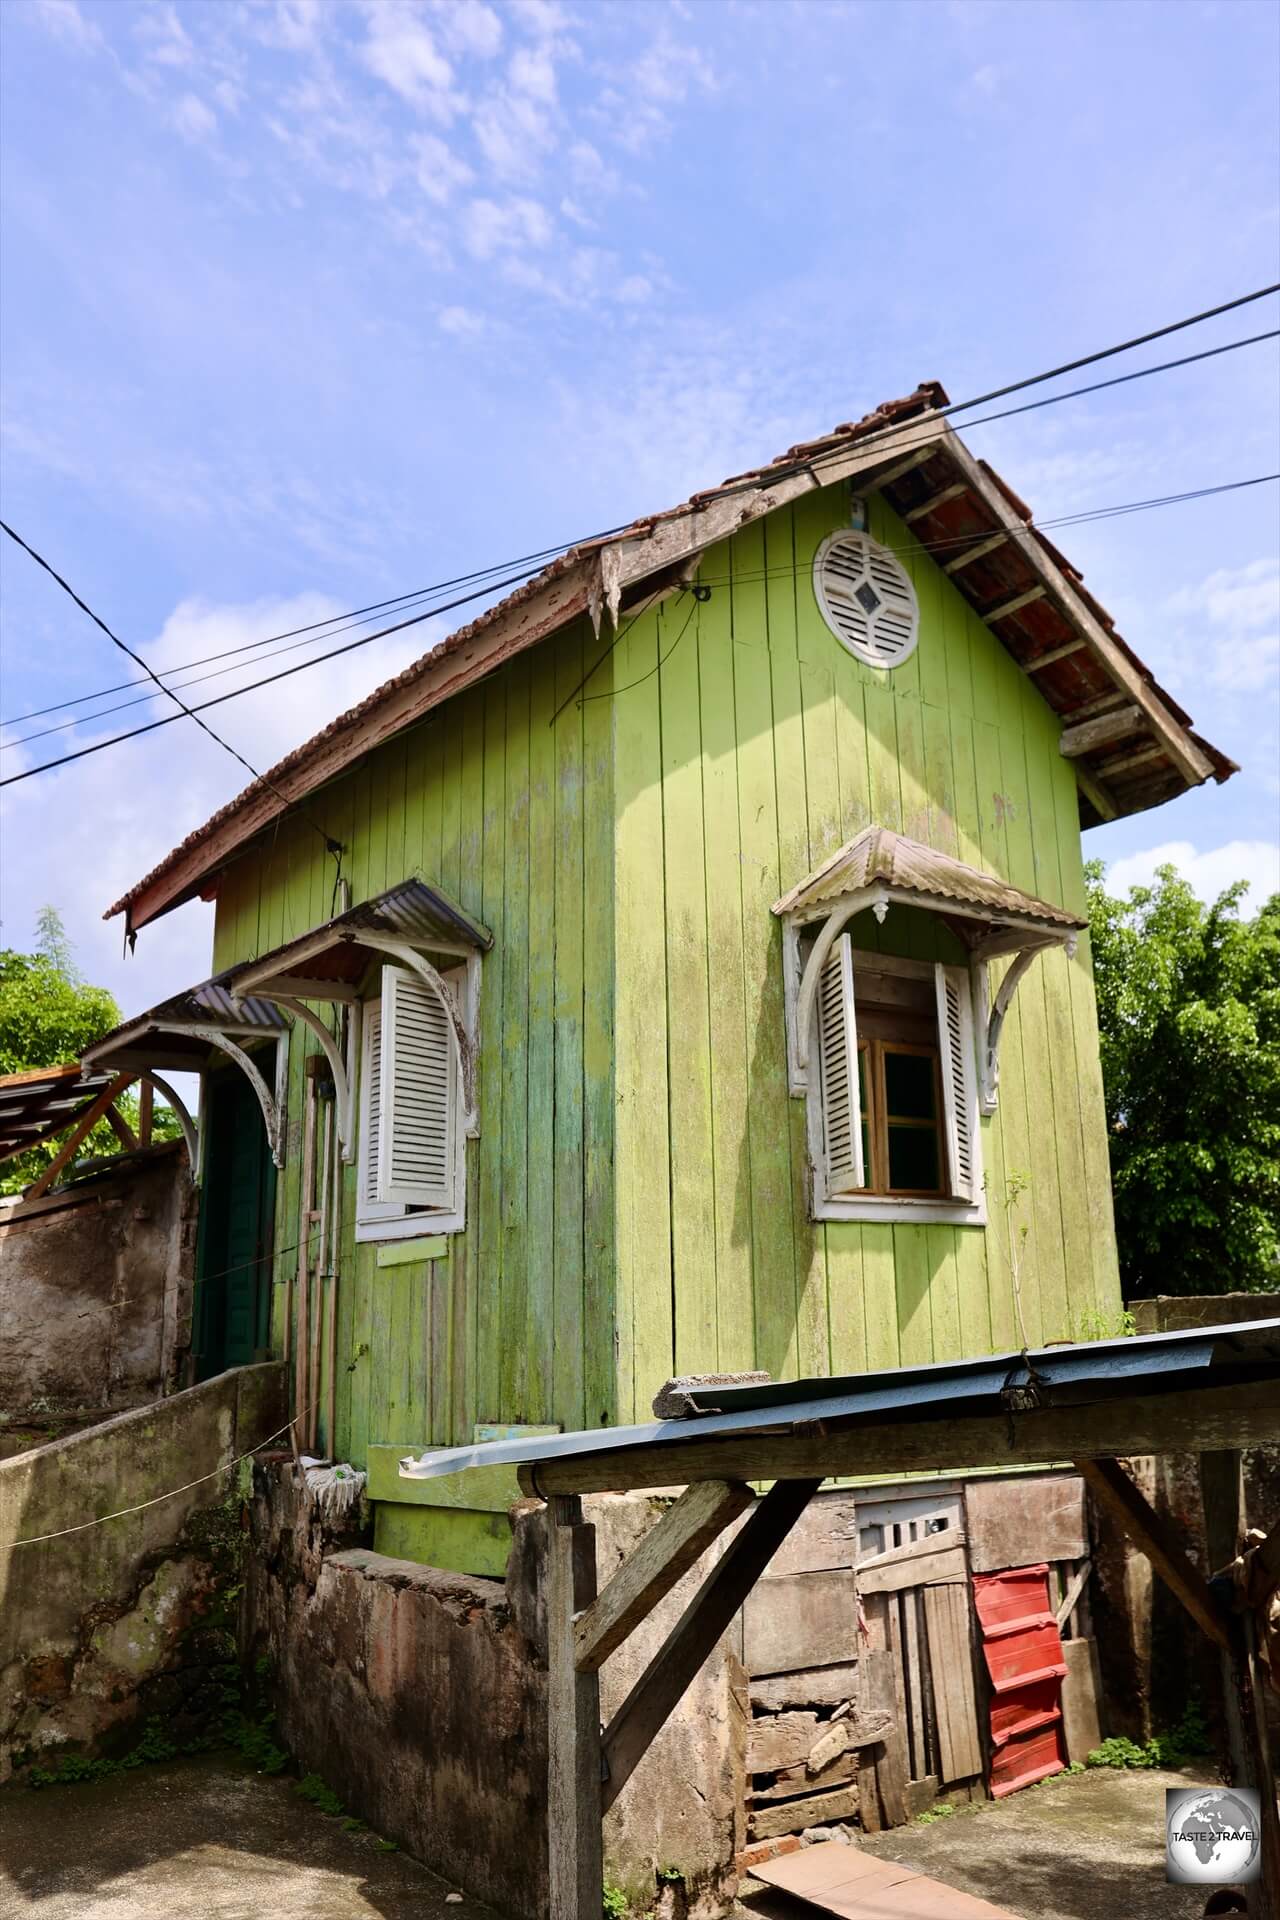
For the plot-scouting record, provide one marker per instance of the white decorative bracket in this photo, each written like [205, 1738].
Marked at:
[989, 1018]
[841, 913]
[333, 1054]
[184, 1120]
[272, 1109]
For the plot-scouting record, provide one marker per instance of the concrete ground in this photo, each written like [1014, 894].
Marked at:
[206, 1839]
[1085, 1846]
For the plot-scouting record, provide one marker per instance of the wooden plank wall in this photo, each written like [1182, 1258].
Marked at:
[749, 745]
[514, 817]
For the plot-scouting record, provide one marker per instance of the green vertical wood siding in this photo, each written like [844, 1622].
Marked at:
[622, 814]
[513, 816]
[749, 744]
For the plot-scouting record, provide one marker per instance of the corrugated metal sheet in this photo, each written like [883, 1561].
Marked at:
[43, 1101]
[422, 915]
[783, 1405]
[210, 1004]
[877, 854]
[1023, 1652]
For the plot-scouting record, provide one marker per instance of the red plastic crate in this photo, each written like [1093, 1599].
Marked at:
[1023, 1656]
[1022, 1761]
[1025, 1708]
[1007, 1601]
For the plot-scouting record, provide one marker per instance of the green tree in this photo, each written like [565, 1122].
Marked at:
[48, 1016]
[1189, 1019]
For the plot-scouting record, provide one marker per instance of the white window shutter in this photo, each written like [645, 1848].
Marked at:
[838, 1072]
[371, 1042]
[959, 1080]
[415, 1160]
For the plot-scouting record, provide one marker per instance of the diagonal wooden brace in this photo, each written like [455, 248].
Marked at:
[1114, 1491]
[673, 1668]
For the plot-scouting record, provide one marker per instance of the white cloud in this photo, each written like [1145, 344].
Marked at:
[401, 51]
[64, 19]
[1208, 873]
[532, 71]
[439, 170]
[146, 795]
[635, 290]
[512, 226]
[192, 118]
[461, 322]
[1231, 626]
[542, 17]
[294, 24]
[167, 41]
[469, 27]
[513, 132]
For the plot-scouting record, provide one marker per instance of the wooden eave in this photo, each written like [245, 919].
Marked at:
[955, 505]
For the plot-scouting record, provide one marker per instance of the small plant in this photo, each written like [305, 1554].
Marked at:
[670, 1876]
[942, 1811]
[311, 1787]
[615, 1902]
[1092, 1324]
[388, 1846]
[1172, 1749]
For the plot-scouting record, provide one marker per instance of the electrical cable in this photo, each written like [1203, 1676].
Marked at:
[781, 471]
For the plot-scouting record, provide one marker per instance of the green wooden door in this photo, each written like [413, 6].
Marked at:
[237, 1204]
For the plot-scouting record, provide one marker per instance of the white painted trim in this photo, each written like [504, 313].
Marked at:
[419, 1225]
[870, 1207]
[387, 1220]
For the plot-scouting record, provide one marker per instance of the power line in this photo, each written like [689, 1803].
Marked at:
[1095, 514]
[331, 844]
[773, 475]
[338, 623]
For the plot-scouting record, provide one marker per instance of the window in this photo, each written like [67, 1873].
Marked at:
[894, 1110]
[412, 1144]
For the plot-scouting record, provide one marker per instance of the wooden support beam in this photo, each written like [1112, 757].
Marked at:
[84, 1125]
[1102, 802]
[1088, 735]
[1053, 655]
[971, 554]
[1193, 764]
[1125, 762]
[935, 501]
[1018, 602]
[673, 1668]
[575, 1842]
[123, 1132]
[886, 476]
[146, 1112]
[662, 1558]
[1116, 1493]
[1087, 708]
[1236, 1411]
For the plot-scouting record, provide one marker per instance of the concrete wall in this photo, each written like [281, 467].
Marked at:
[420, 1697]
[101, 1628]
[95, 1292]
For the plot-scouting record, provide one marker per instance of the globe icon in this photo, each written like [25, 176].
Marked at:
[1213, 1836]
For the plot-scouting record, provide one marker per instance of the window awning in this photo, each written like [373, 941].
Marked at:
[414, 925]
[878, 869]
[178, 1034]
[42, 1101]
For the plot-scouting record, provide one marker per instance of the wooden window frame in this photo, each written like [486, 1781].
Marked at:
[388, 1219]
[870, 1203]
[878, 1118]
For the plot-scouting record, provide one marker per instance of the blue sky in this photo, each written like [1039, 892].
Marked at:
[307, 304]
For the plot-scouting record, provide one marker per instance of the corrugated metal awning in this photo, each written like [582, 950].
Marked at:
[44, 1101]
[330, 961]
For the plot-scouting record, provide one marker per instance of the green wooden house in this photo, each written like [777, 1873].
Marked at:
[681, 968]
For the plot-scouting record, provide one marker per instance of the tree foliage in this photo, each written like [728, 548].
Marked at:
[1189, 1018]
[48, 1016]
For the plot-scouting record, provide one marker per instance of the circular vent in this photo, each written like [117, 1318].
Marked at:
[866, 598]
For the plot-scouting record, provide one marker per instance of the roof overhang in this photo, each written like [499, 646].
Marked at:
[43, 1101]
[1131, 745]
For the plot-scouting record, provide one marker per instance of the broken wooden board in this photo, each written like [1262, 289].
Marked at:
[880, 1694]
[946, 1611]
[792, 1816]
[840, 1771]
[824, 1537]
[833, 1686]
[860, 1886]
[801, 1620]
[1011, 1523]
[921, 1564]
[798, 1739]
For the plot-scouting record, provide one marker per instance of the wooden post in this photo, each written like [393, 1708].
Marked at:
[575, 1842]
[146, 1112]
[1248, 1742]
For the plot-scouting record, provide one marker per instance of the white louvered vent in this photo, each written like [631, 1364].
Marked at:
[838, 1070]
[959, 1091]
[415, 1161]
[372, 1102]
[866, 598]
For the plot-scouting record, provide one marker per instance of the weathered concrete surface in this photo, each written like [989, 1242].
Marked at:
[201, 1838]
[95, 1291]
[1084, 1846]
[101, 1628]
[420, 1696]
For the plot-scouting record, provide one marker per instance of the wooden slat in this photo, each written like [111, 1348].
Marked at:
[662, 1558]
[574, 1835]
[1230, 1413]
[673, 1668]
[1051, 657]
[947, 1617]
[879, 1695]
[891, 1575]
[971, 554]
[1088, 735]
[936, 500]
[1112, 1488]
[1015, 605]
[790, 1816]
[1075, 1587]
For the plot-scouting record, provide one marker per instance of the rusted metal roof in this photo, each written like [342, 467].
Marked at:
[43, 1101]
[210, 1005]
[906, 866]
[424, 916]
[1134, 776]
